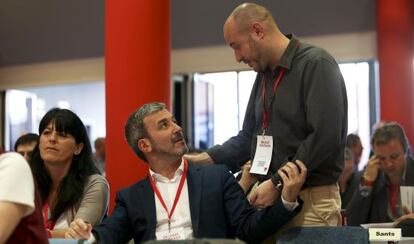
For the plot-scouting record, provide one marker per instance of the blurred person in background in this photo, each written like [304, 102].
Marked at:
[377, 198]
[353, 142]
[25, 145]
[99, 155]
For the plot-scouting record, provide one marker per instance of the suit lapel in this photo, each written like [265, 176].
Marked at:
[194, 183]
[148, 200]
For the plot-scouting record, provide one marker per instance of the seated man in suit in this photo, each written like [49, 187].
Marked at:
[181, 200]
[378, 197]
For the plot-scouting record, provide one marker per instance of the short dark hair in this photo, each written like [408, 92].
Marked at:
[392, 130]
[352, 140]
[135, 129]
[26, 139]
[348, 155]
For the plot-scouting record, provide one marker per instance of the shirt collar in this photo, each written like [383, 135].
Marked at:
[289, 53]
[159, 178]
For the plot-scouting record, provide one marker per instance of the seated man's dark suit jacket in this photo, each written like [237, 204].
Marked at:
[373, 208]
[218, 209]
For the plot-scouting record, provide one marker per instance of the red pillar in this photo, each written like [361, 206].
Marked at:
[395, 35]
[137, 59]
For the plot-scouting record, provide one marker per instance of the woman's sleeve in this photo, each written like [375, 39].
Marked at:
[94, 203]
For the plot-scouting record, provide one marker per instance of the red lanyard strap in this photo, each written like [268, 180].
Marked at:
[50, 225]
[265, 111]
[177, 195]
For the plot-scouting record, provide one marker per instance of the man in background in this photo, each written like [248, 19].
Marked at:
[25, 145]
[353, 142]
[99, 154]
[378, 197]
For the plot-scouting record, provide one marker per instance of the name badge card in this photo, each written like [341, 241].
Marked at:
[263, 156]
[172, 234]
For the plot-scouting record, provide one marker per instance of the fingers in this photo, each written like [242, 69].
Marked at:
[246, 167]
[79, 229]
[253, 198]
[293, 171]
[199, 158]
[302, 167]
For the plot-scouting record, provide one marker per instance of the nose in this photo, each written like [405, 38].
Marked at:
[238, 56]
[386, 162]
[177, 128]
[52, 137]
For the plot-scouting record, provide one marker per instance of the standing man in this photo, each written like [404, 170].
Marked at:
[180, 200]
[297, 110]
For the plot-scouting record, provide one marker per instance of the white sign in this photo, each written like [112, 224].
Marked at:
[384, 234]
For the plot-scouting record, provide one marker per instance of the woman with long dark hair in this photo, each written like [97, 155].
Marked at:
[69, 182]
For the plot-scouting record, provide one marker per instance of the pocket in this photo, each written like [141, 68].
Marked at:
[326, 204]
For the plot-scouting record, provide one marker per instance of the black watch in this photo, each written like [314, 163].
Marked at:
[278, 186]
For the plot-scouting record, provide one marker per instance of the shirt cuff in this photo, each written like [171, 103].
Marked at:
[290, 206]
[92, 239]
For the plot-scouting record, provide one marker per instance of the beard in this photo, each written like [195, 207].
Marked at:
[170, 149]
[257, 56]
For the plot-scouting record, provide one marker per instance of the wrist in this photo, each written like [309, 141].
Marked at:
[278, 187]
[368, 183]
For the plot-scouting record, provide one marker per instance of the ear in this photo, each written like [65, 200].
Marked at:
[258, 30]
[78, 148]
[144, 145]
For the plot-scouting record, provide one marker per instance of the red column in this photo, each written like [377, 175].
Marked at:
[395, 35]
[137, 59]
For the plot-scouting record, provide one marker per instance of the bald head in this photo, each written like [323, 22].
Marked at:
[247, 13]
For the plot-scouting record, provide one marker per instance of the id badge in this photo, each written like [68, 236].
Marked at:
[172, 234]
[263, 156]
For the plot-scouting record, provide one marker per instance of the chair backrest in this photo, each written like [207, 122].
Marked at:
[197, 241]
[322, 235]
[66, 241]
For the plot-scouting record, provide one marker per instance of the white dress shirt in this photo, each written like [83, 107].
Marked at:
[168, 189]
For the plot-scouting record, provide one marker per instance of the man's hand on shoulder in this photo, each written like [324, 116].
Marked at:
[198, 157]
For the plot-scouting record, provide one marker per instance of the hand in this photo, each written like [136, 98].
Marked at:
[264, 195]
[79, 229]
[293, 177]
[247, 179]
[199, 158]
[372, 169]
[408, 215]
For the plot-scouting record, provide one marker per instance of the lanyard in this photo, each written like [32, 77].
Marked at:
[177, 195]
[265, 111]
[50, 225]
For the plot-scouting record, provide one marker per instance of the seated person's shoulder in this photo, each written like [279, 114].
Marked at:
[16, 181]
[13, 161]
[97, 178]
